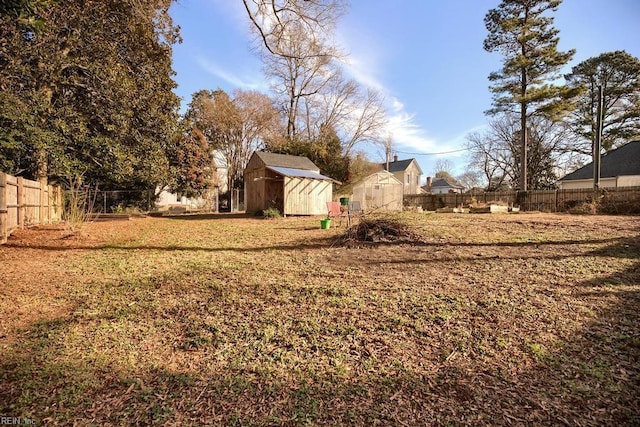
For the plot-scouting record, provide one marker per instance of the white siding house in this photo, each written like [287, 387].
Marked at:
[618, 168]
[408, 172]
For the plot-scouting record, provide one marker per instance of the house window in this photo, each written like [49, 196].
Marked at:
[408, 179]
[418, 180]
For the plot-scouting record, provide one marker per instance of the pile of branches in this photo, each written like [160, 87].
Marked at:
[380, 230]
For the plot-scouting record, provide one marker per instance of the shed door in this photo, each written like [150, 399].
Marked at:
[274, 194]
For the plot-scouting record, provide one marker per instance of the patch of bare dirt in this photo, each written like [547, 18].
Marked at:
[34, 270]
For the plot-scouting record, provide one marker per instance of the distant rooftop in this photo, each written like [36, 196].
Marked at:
[443, 182]
[622, 161]
[398, 165]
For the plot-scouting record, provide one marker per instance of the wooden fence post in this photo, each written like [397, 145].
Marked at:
[4, 213]
[59, 203]
[49, 203]
[42, 219]
[20, 202]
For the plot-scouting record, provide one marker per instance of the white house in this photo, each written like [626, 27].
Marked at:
[406, 171]
[618, 168]
[167, 200]
[442, 186]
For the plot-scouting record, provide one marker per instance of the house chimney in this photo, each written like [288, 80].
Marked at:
[395, 157]
[429, 182]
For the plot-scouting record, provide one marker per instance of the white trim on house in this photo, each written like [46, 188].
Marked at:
[615, 182]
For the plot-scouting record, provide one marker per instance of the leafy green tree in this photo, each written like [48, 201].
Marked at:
[522, 31]
[325, 151]
[90, 84]
[192, 162]
[618, 74]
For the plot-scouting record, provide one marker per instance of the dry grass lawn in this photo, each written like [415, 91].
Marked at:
[490, 319]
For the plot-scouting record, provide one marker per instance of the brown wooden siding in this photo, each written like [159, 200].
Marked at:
[291, 195]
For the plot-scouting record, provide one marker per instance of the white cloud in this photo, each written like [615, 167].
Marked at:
[409, 136]
[406, 134]
[238, 82]
[360, 71]
[362, 66]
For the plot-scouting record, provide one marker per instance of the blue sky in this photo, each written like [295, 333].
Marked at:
[424, 56]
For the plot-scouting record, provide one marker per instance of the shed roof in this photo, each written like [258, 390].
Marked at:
[622, 161]
[299, 173]
[286, 161]
[381, 177]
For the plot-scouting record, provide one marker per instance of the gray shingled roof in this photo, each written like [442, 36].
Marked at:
[443, 182]
[622, 161]
[398, 166]
[286, 161]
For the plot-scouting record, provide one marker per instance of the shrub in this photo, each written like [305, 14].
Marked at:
[271, 213]
[619, 207]
[584, 208]
[79, 204]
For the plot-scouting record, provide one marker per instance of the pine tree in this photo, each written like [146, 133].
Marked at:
[522, 31]
[618, 74]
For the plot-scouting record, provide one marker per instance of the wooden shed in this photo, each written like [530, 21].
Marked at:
[380, 191]
[291, 184]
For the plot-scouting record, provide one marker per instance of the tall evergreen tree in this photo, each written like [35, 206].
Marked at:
[522, 31]
[618, 74]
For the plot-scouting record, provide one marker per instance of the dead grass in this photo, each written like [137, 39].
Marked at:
[491, 319]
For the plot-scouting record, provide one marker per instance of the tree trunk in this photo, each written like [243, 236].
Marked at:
[523, 146]
[523, 111]
[42, 166]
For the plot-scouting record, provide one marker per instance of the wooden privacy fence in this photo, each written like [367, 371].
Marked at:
[536, 200]
[25, 203]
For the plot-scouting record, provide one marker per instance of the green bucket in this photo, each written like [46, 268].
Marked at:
[325, 223]
[344, 201]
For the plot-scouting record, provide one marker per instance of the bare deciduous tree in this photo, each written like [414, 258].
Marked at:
[355, 112]
[235, 127]
[491, 158]
[258, 121]
[304, 66]
[297, 48]
[294, 81]
[496, 152]
[470, 179]
[278, 22]
[443, 165]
